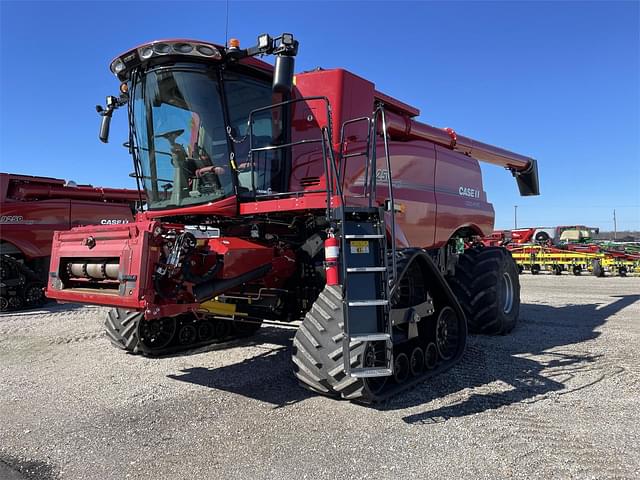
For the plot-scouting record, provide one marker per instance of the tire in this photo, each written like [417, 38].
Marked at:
[488, 288]
[542, 237]
[577, 270]
[597, 269]
[535, 269]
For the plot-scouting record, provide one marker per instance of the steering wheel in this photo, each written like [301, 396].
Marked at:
[210, 169]
[171, 136]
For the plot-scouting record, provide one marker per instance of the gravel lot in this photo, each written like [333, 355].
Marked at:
[558, 398]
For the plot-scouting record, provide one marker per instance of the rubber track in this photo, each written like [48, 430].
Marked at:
[31, 279]
[121, 327]
[318, 350]
[476, 284]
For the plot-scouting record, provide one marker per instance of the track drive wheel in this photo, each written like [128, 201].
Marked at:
[34, 294]
[487, 286]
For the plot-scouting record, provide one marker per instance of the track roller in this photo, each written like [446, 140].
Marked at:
[416, 361]
[430, 356]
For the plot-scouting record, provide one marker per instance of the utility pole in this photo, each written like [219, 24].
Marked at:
[515, 217]
[615, 225]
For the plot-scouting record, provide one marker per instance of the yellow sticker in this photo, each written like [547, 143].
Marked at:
[360, 246]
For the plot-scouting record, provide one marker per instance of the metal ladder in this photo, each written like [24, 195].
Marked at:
[366, 274]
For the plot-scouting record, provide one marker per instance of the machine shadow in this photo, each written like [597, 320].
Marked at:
[266, 335]
[530, 361]
[266, 377]
[49, 306]
[542, 332]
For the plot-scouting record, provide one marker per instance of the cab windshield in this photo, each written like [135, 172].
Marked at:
[180, 137]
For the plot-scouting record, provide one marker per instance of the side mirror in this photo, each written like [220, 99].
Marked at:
[106, 113]
[283, 74]
[105, 123]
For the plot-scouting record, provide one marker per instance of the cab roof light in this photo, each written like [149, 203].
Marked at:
[131, 59]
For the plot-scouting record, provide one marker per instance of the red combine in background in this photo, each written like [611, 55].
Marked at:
[31, 209]
[274, 196]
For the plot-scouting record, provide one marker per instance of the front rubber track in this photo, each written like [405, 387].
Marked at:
[123, 330]
[318, 356]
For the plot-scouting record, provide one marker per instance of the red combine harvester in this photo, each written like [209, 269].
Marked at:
[274, 196]
[31, 209]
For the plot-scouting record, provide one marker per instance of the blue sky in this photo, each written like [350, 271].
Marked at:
[557, 81]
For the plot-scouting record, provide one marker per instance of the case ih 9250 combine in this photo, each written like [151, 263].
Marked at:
[269, 196]
[31, 209]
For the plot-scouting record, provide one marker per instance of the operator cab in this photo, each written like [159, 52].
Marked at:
[189, 105]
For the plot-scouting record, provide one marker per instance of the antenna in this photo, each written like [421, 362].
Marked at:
[226, 27]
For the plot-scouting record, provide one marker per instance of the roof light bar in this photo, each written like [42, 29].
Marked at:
[120, 66]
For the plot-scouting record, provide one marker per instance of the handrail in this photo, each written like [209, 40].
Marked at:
[392, 205]
[343, 157]
[331, 173]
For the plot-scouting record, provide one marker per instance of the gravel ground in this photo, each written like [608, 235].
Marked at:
[558, 398]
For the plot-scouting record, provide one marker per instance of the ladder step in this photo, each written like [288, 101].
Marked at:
[368, 303]
[362, 237]
[370, 337]
[370, 372]
[366, 269]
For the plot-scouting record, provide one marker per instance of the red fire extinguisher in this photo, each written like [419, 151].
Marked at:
[331, 254]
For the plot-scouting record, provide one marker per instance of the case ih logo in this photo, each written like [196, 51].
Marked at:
[469, 192]
[112, 221]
